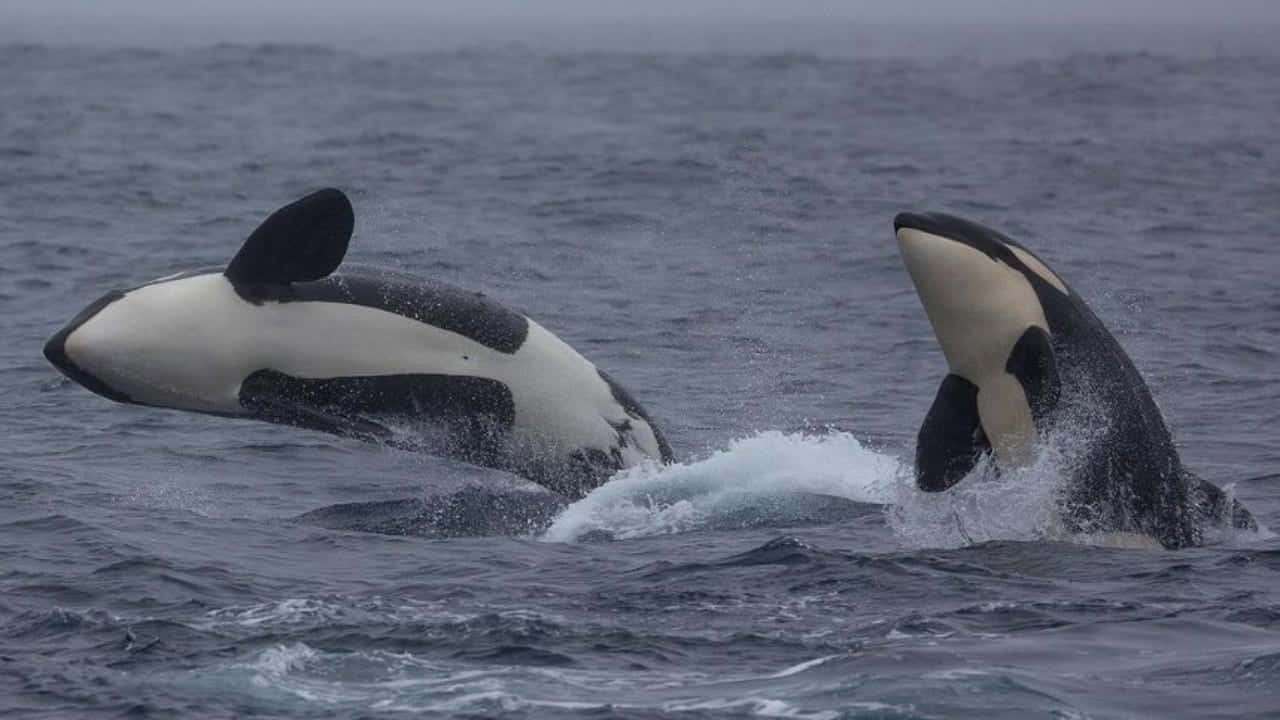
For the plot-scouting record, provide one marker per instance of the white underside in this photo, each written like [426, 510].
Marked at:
[190, 343]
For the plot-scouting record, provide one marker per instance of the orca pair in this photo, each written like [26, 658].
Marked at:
[280, 335]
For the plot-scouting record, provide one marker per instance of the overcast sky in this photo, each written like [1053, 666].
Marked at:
[368, 22]
[970, 10]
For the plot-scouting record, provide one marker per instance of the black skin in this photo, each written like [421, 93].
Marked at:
[1132, 479]
[951, 439]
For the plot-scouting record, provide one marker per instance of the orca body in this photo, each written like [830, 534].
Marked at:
[1025, 352]
[280, 336]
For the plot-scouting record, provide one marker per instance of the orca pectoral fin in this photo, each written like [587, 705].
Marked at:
[304, 240]
[951, 439]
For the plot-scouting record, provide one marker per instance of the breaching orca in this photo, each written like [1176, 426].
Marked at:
[280, 336]
[1022, 348]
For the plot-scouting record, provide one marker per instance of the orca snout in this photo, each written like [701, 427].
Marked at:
[919, 235]
[926, 222]
[60, 350]
[55, 350]
[945, 226]
[942, 250]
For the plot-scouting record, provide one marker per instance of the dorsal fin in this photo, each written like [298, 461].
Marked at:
[304, 240]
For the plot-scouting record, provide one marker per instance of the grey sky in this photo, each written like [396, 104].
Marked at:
[695, 24]
[550, 10]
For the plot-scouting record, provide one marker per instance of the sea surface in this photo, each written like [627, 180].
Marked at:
[713, 228]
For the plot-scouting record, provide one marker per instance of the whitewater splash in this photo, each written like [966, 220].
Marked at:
[762, 474]
[784, 476]
[1018, 504]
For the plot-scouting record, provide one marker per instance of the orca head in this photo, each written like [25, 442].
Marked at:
[184, 341]
[979, 290]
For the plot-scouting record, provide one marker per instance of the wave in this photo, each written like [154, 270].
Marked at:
[394, 682]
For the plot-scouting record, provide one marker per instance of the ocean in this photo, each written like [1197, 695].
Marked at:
[712, 226]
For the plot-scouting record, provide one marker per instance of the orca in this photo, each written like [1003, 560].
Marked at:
[1025, 353]
[280, 335]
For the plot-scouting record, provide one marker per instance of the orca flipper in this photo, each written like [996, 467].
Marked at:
[951, 439]
[304, 240]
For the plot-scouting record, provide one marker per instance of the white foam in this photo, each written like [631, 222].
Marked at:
[801, 667]
[281, 660]
[657, 500]
[1020, 504]
[757, 706]
[312, 612]
[956, 674]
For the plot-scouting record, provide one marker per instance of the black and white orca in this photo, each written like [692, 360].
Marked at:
[280, 336]
[1024, 352]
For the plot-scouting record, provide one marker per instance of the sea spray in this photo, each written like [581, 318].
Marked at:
[752, 473]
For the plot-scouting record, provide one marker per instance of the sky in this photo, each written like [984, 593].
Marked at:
[374, 23]
[884, 10]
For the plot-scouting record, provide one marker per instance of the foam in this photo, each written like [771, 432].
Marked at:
[316, 612]
[1020, 504]
[656, 500]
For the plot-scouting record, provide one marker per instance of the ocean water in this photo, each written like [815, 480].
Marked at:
[713, 228]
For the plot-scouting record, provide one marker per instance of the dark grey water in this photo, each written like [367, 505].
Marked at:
[714, 230]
